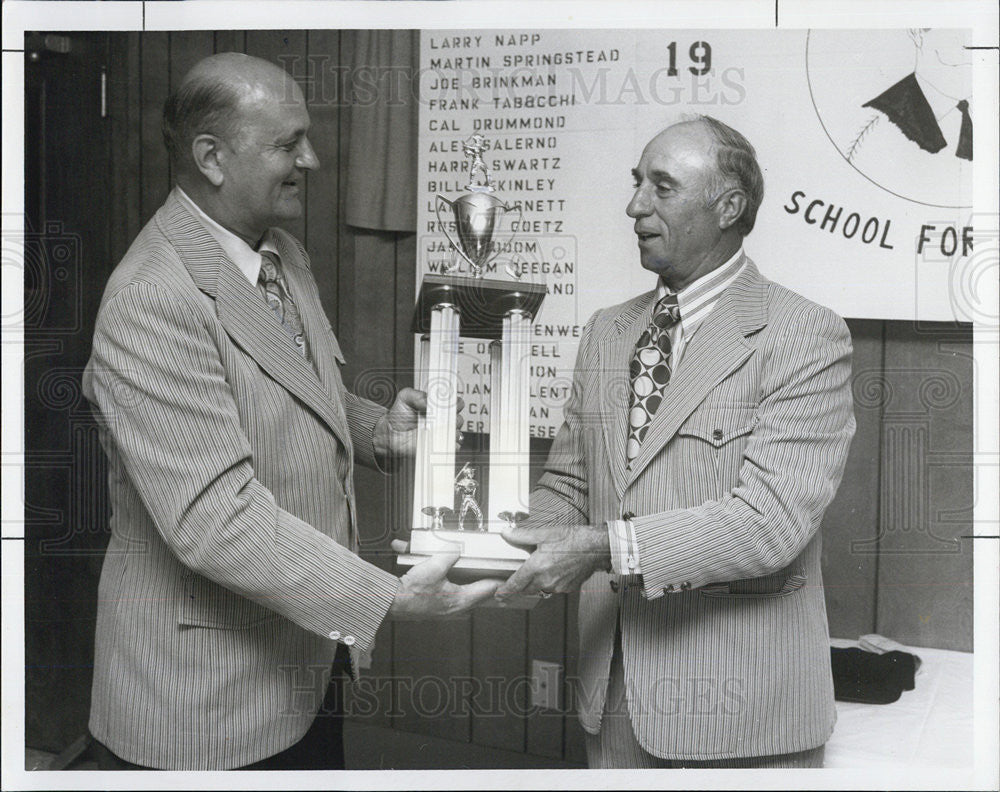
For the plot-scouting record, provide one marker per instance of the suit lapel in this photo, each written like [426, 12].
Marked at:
[322, 344]
[246, 318]
[719, 347]
[615, 352]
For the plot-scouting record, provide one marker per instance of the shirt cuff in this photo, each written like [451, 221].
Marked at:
[624, 549]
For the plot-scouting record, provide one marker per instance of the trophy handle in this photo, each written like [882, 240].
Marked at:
[520, 217]
[512, 518]
[455, 246]
[437, 515]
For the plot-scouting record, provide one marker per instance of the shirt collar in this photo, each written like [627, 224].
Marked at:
[697, 299]
[246, 259]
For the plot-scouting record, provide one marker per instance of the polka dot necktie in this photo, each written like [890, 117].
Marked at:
[274, 289]
[649, 372]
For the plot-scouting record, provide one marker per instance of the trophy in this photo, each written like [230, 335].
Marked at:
[446, 511]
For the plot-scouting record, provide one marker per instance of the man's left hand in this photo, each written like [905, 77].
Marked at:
[564, 557]
[396, 433]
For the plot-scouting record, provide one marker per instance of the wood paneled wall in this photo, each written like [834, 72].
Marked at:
[893, 558]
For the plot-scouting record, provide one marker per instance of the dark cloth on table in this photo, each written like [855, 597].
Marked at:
[871, 678]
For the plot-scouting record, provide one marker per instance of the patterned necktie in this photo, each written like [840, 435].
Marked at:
[964, 148]
[274, 289]
[649, 372]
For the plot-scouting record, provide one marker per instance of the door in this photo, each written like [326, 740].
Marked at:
[67, 261]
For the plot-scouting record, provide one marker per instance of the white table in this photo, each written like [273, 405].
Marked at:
[929, 726]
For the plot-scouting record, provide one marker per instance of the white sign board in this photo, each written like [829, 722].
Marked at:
[863, 138]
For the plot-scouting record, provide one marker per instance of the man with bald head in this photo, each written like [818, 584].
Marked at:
[707, 432]
[232, 599]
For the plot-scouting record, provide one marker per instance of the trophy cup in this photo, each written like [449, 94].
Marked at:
[448, 307]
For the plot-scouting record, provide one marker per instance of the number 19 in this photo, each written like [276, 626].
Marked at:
[700, 53]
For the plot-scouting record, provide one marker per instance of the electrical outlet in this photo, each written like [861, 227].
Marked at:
[546, 682]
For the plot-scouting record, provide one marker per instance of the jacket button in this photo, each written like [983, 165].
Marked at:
[335, 635]
[685, 586]
[348, 640]
[628, 515]
[669, 589]
[614, 585]
[717, 434]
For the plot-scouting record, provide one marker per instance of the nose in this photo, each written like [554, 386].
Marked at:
[639, 205]
[306, 159]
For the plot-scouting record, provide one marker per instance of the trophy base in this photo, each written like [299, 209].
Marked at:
[483, 555]
[467, 569]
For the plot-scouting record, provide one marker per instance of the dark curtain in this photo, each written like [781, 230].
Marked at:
[382, 78]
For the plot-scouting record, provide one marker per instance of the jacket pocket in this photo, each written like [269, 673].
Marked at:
[207, 604]
[719, 425]
[712, 442]
[778, 584]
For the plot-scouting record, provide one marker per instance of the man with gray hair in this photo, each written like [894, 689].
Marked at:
[706, 434]
[232, 599]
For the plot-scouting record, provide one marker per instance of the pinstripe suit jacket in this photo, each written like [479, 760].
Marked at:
[724, 636]
[231, 567]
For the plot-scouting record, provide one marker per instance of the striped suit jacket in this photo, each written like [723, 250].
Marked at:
[724, 636]
[231, 572]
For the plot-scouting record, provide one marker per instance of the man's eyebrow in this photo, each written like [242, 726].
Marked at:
[293, 135]
[663, 177]
[658, 176]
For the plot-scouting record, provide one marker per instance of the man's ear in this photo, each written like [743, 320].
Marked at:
[730, 208]
[207, 154]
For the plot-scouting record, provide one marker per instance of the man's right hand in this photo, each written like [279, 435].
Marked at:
[426, 593]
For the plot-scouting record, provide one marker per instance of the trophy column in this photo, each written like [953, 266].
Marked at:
[421, 460]
[509, 421]
[436, 465]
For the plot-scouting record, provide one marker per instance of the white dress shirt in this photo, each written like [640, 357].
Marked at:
[246, 259]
